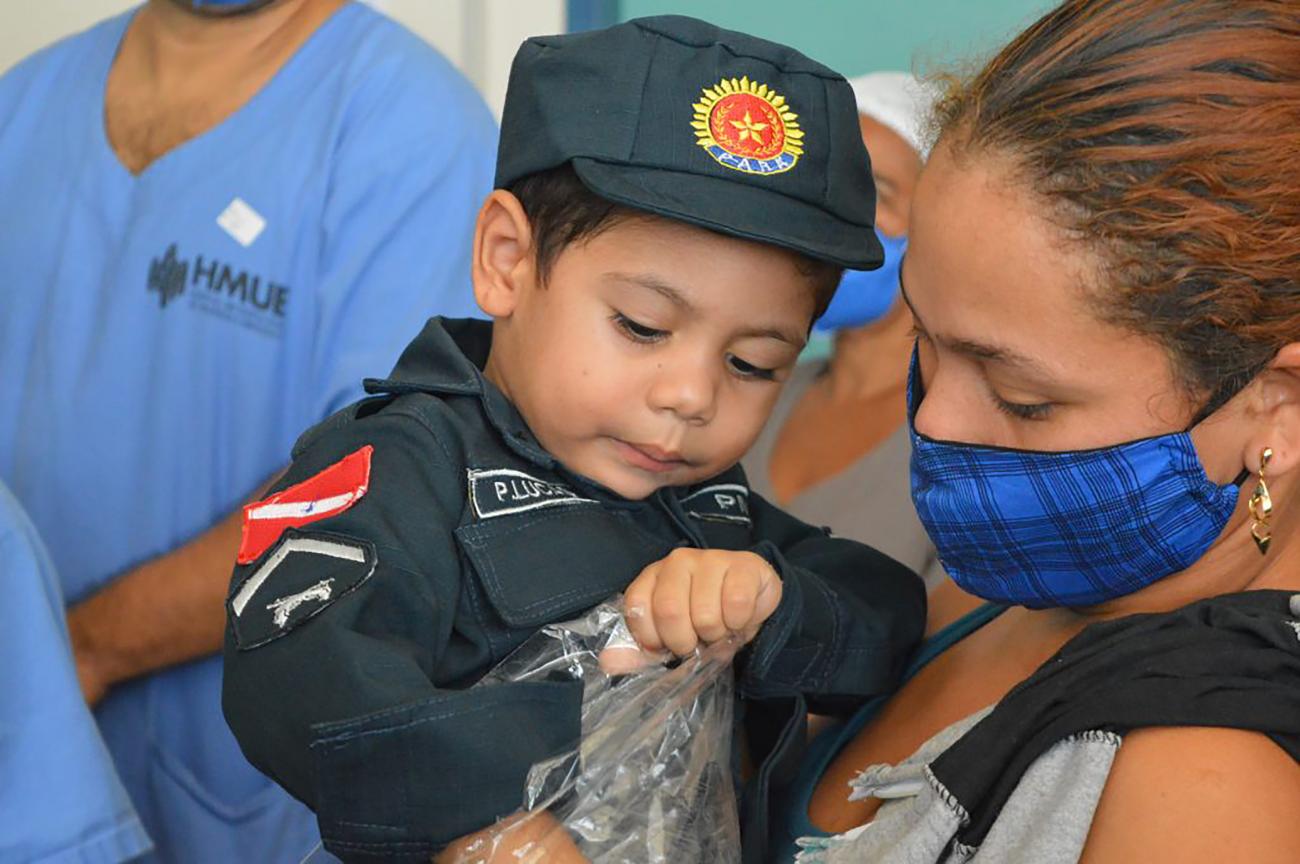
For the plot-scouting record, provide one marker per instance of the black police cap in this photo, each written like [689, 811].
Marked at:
[677, 117]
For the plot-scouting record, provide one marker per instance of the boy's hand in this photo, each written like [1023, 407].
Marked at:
[700, 595]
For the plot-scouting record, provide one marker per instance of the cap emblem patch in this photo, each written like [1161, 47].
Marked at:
[747, 127]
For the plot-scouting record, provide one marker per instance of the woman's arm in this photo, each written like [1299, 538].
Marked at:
[1198, 796]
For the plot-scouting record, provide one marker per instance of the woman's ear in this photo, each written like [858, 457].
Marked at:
[1278, 409]
[503, 263]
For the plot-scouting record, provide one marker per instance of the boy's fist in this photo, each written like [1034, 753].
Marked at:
[700, 595]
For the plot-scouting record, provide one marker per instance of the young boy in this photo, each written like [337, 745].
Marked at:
[674, 207]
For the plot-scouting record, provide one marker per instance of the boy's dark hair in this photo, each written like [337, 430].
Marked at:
[563, 211]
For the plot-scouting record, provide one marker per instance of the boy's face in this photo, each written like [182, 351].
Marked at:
[654, 352]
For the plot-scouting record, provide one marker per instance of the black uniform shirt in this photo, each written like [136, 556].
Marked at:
[449, 537]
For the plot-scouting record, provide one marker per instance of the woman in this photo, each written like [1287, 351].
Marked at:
[1104, 267]
[835, 451]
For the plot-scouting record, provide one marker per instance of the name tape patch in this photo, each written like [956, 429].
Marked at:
[724, 502]
[503, 491]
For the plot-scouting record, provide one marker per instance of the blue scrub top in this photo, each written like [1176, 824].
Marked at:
[165, 337]
[60, 799]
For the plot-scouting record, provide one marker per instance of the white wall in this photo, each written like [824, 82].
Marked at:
[27, 25]
[479, 36]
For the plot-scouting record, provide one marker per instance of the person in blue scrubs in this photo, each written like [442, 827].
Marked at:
[60, 800]
[217, 219]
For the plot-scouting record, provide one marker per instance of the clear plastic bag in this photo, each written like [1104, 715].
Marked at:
[651, 781]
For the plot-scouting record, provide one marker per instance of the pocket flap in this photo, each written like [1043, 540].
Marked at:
[541, 568]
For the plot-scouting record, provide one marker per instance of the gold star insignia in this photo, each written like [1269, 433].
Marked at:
[749, 129]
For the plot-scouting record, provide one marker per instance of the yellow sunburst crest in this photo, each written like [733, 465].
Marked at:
[747, 126]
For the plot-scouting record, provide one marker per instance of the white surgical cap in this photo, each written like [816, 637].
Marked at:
[899, 101]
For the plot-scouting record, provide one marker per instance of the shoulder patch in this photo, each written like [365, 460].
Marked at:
[325, 494]
[303, 576]
[503, 491]
[722, 502]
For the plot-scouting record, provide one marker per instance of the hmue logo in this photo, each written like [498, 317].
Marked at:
[167, 276]
[219, 289]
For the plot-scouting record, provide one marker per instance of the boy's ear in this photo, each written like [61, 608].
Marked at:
[503, 262]
[1278, 407]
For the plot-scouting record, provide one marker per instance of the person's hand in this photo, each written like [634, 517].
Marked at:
[700, 595]
[90, 671]
[93, 685]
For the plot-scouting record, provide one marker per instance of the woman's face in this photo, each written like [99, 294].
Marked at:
[894, 168]
[1012, 353]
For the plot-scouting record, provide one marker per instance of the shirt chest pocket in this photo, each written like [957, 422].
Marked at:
[548, 566]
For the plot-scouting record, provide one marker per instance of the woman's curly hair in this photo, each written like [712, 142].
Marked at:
[1166, 136]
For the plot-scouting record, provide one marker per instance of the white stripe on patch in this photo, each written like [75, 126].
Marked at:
[298, 509]
[312, 545]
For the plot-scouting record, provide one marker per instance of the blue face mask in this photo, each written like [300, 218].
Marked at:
[222, 7]
[1042, 529]
[864, 296]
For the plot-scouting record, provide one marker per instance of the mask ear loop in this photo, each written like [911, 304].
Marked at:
[1226, 392]
[1220, 398]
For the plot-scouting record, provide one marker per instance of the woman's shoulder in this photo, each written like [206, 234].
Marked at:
[1198, 794]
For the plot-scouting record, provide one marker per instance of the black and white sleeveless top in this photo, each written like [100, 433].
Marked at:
[1020, 782]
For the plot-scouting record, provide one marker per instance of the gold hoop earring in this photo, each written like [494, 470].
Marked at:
[1261, 506]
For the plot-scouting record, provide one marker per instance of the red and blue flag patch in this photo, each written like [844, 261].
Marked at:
[321, 496]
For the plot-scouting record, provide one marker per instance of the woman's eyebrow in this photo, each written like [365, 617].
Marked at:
[971, 348]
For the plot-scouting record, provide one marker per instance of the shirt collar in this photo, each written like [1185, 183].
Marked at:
[448, 358]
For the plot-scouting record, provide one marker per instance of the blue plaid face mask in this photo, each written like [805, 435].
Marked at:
[1043, 529]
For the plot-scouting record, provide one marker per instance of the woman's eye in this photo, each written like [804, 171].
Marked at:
[637, 332]
[749, 370]
[1023, 411]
